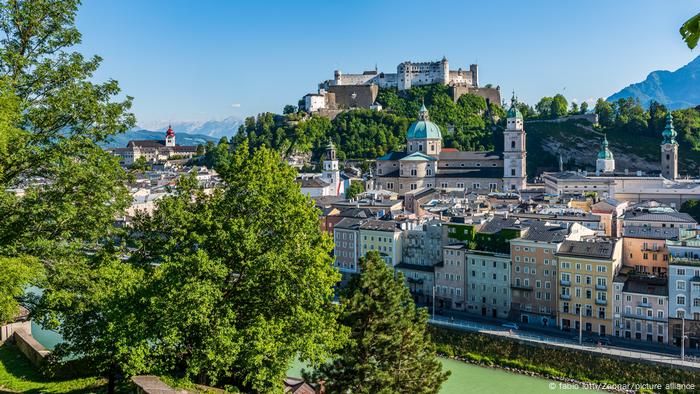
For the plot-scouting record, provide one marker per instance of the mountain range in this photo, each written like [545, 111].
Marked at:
[213, 128]
[675, 89]
[120, 140]
[186, 132]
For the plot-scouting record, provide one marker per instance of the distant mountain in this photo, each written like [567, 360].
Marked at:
[213, 128]
[120, 140]
[674, 89]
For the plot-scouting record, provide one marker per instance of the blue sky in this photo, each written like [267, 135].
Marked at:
[198, 60]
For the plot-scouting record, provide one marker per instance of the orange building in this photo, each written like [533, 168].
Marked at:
[644, 249]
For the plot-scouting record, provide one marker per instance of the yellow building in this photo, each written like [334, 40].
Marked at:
[586, 271]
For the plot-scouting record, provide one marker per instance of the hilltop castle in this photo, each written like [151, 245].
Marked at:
[360, 90]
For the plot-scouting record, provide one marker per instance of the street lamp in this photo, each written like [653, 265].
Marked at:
[683, 337]
[580, 325]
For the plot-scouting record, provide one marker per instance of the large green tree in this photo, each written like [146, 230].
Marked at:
[389, 350]
[690, 31]
[244, 278]
[72, 189]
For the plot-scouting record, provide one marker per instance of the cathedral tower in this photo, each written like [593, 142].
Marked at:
[514, 153]
[669, 150]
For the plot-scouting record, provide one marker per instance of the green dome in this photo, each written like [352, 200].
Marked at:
[604, 151]
[423, 128]
[669, 132]
[514, 112]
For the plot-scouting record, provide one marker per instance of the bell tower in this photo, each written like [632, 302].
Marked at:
[514, 153]
[669, 150]
[170, 137]
[331, 171]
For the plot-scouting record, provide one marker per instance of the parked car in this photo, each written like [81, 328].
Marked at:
[511, 326]
[604, 341]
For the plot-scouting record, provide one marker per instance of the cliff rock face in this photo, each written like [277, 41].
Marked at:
[675, 89]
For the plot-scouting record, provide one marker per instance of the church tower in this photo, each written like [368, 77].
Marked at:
[331, 171]
[605, 161]
[170, 137]
[669, 150]
[514, 153]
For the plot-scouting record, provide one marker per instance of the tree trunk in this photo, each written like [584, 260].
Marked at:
[111, 379]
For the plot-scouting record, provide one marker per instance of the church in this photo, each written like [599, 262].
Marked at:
[154, 150]
[426, 164]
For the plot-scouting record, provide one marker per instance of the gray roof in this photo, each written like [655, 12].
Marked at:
[146, 143]
[393, 156]
[646, 285]
[650, 232]
[599, 249]
[542, 232]
[313, 182]
[646, 216]
[379, 225]
[349, 223]
[498, 223]
[361, 213]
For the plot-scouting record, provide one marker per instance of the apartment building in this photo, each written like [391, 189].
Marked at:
[644, 248]
[450, 280]
[587, 268]
[488, 283]
[641, 307]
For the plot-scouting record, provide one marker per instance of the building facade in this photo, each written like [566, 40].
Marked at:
[586, 272]
[641, 308]
[488, 283]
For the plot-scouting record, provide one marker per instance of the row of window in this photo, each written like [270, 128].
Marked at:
[589, 267]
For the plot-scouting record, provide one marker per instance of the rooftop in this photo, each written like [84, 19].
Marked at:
[646, 285]
[650, 232]
[544, 232]
[379, 225]
[600, 248]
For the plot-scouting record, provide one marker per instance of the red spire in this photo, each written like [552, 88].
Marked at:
[170, 132]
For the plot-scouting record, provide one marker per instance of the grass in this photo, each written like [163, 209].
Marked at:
[17, 375]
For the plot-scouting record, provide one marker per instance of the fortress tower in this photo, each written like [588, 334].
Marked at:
[669, 150]
[514, 153]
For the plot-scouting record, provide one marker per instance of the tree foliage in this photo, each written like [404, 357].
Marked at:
[389, 350]
[362, 133]
[690, 31]
[244, 278]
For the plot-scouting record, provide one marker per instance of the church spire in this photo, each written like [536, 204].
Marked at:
[669, 132]
[423, 112]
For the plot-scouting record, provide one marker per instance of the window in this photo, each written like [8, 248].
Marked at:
[680, 285]
[390, 185]
[680, 300]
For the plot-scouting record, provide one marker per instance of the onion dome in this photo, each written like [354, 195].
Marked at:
[604, 151]
[170, 132]
[669, 132]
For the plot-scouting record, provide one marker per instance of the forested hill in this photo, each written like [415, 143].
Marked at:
[364, 134]
[634, 131]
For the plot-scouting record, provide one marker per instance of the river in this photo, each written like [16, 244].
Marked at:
[465, 378]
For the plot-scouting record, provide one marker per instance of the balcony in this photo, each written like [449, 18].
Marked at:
[598, 301]
[565, 297]
[565, 282]
[644, 304]
[601, 287]
[521, 287]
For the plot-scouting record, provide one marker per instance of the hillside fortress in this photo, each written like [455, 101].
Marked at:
[426, 164]
[346, 91]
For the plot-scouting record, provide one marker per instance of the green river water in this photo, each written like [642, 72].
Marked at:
[465, 378]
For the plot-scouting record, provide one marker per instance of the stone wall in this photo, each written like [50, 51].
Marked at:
[35, 352]
[492, 95]
[9, 329]
[365, 95]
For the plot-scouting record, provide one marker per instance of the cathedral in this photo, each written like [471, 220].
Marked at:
[426, 164]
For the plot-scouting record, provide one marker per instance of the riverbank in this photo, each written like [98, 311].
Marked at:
[566, 366]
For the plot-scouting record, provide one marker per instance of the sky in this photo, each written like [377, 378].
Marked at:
[202, 60]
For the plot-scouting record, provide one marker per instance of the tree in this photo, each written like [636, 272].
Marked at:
[58, 116]
[559, 106]
[244, 278]
[584, 108]
[200, 150]
[574, 108]
[389, 350]
[606, 115]
[690, 31]
[355, 188]
[289, 109]
[15, 274]
[544, 107]
[692, 208]
[140, 164]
